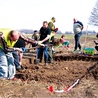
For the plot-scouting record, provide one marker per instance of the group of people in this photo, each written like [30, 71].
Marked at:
[13, 44]
[46, 37]
[10, 51]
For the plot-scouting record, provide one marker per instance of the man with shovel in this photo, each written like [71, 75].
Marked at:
[44, 34]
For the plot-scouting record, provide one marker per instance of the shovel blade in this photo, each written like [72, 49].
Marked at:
[36, 61]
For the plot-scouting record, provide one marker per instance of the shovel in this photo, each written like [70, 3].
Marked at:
[36, 60]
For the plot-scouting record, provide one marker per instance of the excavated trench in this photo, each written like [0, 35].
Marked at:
[75, 57]
[66, 70]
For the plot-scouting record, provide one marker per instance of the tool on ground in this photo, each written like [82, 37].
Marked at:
[62, 91]
[51, 89]
[84, 43]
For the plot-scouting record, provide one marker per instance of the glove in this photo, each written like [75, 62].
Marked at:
[56, 29]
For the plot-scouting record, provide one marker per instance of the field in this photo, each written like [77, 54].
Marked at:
[35, 79]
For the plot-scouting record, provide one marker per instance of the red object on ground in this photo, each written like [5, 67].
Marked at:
[51, 89]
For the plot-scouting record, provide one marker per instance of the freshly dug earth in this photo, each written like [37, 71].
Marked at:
[68, 67]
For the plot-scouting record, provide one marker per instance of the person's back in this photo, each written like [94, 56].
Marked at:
[20, 43]
[51, 40]
[35, 35]
[7, 68]
[51, 24]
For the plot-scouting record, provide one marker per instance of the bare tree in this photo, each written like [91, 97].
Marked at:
[93, 20]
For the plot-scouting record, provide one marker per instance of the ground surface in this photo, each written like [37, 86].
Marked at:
[68, 67]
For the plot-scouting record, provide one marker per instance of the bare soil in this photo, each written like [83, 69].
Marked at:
[35, 79]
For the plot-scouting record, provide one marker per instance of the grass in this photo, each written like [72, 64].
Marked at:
[69, 36]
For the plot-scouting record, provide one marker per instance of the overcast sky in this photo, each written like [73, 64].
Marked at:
[29, 14]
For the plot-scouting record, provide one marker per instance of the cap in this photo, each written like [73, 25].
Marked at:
[35, 30]
[53, 18]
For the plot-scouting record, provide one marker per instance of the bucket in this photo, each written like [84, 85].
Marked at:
[89, 51]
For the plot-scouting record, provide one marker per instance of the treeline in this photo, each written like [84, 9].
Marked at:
[30, 31]
[84, 32]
